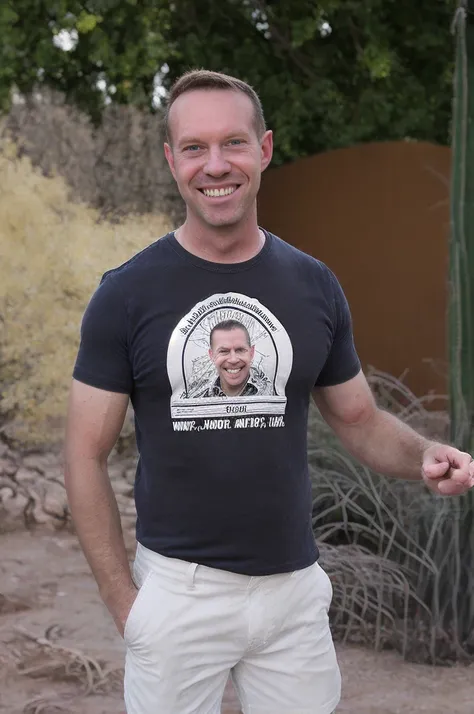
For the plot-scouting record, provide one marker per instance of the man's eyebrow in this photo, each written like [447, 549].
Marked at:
[189, 140]
[231, 135]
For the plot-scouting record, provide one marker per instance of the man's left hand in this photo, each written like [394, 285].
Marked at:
[447, 471]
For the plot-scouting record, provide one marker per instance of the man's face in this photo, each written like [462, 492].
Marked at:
[232, 356]
[216, 156]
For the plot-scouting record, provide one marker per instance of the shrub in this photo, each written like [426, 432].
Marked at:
[52, 255]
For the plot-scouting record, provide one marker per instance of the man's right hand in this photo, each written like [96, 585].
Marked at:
[120, 607]
[94, 422]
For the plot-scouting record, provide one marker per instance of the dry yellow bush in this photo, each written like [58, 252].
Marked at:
[52, 255]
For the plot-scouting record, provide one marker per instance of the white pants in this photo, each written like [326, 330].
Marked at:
[190, 626]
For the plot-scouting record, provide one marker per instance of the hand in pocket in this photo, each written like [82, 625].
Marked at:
[121, 606]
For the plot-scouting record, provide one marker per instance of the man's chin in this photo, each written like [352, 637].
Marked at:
[229, 388]
[222, 219]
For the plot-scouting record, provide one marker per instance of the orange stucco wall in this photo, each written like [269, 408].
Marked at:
[378, 216]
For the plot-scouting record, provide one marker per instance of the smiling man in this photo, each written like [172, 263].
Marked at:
[226, 578]
[218, 172]
[232, 355]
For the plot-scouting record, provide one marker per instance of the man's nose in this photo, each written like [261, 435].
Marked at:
[216, 164]
[233, 357]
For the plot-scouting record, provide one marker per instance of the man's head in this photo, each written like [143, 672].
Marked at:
[217, 146]
[232, 354]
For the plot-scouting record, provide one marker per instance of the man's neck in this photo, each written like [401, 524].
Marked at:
[229, 244]
[236, 392]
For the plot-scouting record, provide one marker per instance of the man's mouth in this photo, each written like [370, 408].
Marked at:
[234, 370]
[219, 191]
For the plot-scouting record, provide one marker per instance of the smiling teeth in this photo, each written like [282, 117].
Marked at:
[214, 192]
[233, 371]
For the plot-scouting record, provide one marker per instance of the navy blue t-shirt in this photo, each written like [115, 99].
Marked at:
[219, 361]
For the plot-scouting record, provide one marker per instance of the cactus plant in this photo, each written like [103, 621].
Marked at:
[461, 254]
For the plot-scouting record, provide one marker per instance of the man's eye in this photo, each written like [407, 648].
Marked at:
[192, 147]
[236, 142]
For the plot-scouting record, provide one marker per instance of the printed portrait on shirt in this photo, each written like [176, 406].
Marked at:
[229, 356]
[232, 353]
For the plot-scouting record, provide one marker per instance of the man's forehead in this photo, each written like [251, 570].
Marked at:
[231, 336]
[210, 110]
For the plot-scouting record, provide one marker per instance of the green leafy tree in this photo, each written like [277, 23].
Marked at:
[113, 49]
[330, 73]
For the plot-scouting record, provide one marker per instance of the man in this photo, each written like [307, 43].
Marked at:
[226, 577]
[232, 354]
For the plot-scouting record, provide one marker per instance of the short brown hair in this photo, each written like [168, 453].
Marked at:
[205, 79]
[227, 326]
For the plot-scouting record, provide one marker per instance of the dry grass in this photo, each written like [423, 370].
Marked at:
[401, 559]
[42, 705]
[40, 657]
[52, 255]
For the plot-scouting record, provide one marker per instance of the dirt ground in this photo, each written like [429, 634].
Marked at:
[60, 652]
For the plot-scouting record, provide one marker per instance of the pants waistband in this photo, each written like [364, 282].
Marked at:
[192, 573]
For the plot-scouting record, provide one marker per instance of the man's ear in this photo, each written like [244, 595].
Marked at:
[170, 159]
[266, 145]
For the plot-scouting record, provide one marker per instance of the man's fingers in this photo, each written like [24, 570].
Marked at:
[462, 467]
[461, 471]
[448, 471]
[436, 470]
[451, 488]
[461, 476]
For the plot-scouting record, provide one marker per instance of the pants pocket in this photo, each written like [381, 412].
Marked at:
[329, 589]
[323, 585]
[134, 616]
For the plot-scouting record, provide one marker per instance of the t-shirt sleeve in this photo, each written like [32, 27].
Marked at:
[342, 363]
[103, 359]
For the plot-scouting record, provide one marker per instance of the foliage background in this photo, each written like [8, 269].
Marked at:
[330, 73]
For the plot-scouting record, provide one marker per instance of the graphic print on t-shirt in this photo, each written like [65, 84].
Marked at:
[228, 363]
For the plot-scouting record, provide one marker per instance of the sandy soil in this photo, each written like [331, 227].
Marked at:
[60, 652]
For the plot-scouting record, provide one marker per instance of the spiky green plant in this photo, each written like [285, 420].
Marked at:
[396, 553]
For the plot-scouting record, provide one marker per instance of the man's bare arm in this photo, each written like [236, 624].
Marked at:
[387, 445]
[95, 419]
[376, 438]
